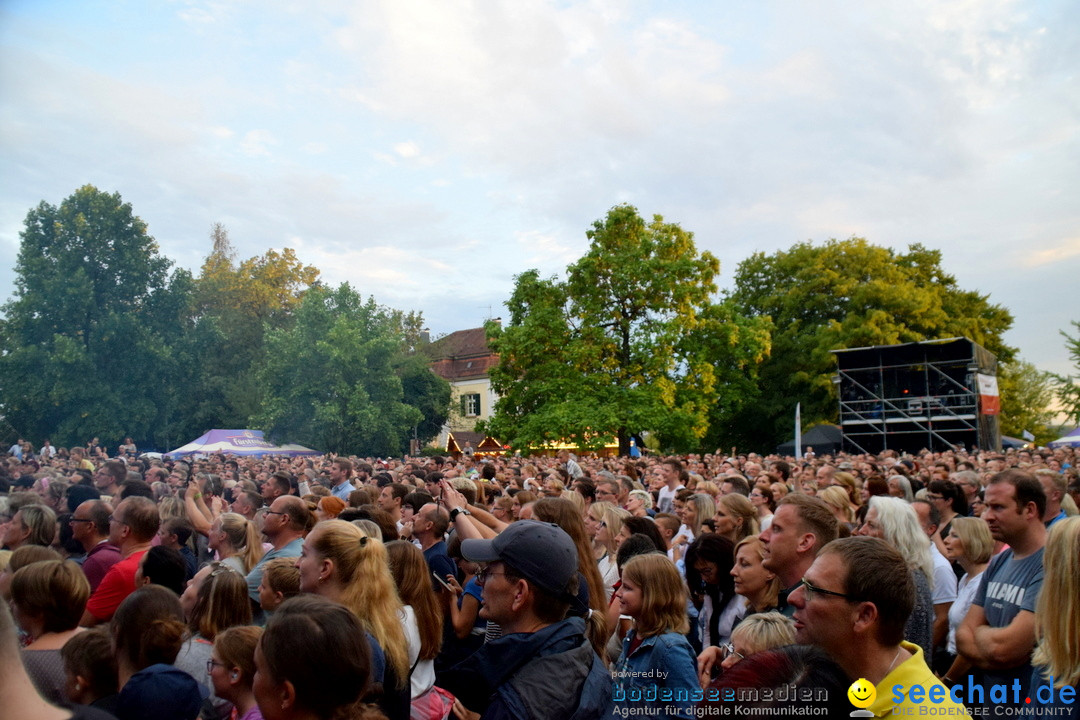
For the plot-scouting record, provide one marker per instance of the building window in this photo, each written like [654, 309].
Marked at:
[470, 405]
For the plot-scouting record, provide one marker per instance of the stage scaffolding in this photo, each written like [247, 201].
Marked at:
[914, 396]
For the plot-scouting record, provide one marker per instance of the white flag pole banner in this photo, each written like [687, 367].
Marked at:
[798, 431]
[989, 400]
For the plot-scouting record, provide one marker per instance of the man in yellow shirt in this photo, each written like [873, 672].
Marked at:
[853, 602]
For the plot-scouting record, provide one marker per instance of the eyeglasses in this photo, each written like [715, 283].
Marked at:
[210, 666]
[812, 590]
[728, 650]
[275, 512]
[485, 573]
[75, 520]
[114, 519]
[934, 496]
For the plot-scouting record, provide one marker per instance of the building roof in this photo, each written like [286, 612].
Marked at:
[462, 355]
[462, 343]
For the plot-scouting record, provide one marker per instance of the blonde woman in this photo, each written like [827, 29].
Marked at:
[970, 544]
[837, 499]
[553, 486]
[735, 517]
[756, 634]
[692, 512]
[341, 563]
[236, 542]
[639, 503]
[1057, 617]
[759, 586]
[605, 558]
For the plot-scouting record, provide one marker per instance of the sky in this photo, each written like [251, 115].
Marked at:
[428, 151]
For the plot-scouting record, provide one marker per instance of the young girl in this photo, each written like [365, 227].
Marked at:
[280, 581]
[655, 651]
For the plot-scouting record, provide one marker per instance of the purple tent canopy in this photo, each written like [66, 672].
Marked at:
[1070, 440]
[237, 442]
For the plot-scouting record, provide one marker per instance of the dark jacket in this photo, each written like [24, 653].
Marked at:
[552, 673]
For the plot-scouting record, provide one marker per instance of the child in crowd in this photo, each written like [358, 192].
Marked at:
[655, 651]
[280, 581]
[175, 533]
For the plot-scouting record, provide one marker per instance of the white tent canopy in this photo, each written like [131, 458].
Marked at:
[237, 442]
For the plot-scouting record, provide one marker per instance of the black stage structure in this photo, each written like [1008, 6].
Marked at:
[917, 395]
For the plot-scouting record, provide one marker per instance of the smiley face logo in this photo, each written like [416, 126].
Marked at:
[862, 693]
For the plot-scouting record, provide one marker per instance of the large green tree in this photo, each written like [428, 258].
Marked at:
[87, 337]
[236, 305]
[844, 294]
[623, 345]
[336, 378]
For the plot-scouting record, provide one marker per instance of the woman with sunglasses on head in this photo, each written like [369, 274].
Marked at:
[755, 634]
[215, 600]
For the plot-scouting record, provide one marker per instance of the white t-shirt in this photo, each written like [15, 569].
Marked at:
[665, 500]
[964, 596]
[944, 590]
[609, 573]
[423, 674]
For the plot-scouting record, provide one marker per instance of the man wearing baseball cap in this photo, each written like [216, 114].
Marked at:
[543, 666]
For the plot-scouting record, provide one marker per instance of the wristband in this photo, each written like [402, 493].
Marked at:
[458, 511]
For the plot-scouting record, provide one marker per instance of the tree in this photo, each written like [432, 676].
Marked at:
[622, 346]
[1026, 393]
[86, 340]
[332, 378]
[1068, 386]
[235, 306]
[845, 294]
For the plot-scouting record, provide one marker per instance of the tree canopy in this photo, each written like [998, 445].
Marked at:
[103, 338]
[334, 378]
[86, 336]
[845, 294]
[622, 345]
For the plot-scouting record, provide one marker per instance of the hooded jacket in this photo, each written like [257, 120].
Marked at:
[552, 673]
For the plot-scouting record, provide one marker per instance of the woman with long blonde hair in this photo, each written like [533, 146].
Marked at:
[1057, 616]
[236, 542]
[341, 563]
[759, 586]
[601, 553]
[735, 517]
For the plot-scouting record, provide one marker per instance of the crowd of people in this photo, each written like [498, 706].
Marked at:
[539, 587]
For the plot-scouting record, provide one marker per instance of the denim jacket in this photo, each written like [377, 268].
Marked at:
[661, 672]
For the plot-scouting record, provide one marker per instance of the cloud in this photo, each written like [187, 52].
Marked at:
[1065, 249]
[407, 149]
[255, 143]
[432, 151]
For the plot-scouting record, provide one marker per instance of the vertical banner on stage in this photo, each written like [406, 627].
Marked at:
[798, 431]
[989, 400]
